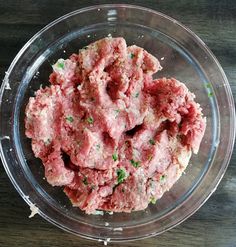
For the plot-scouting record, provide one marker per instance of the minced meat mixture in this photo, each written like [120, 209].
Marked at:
[113, 137]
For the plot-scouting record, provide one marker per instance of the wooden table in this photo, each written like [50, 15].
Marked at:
[215, 223]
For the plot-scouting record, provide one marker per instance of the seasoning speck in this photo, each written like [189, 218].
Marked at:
[152, 142]
[115, 157]
[121, 175]
[90, 120]
[136, 164]
[70, 119]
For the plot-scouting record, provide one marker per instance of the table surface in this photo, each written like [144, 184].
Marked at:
[212, 225]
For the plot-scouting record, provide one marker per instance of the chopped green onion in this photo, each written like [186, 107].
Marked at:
[136, 164]
[90, 120]
[121, 175]
[115, 157]
[70, 119]
[152, 142]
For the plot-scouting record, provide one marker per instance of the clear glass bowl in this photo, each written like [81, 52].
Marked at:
[182, 54]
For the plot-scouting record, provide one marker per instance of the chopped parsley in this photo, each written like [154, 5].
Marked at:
[136, 95]
[150, 157]
[121, 175]
[70, 119]
[127, 143]
[152, 142]
[153, 200]
[47, 142]
[117, 113]
[208, 85]
[162, 178]
[98, 146]
[136, 164]
[115, 157]
[60, 64]
[210, 94]
[93, 187]
[85, 181]
[90, 120]
[132, 55]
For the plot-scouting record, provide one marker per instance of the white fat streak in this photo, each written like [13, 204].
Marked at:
[98, 212]
[34, 210]
[184, 157]
[118, 229]
[5, 137]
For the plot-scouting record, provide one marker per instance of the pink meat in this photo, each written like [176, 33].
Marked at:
[113, 137]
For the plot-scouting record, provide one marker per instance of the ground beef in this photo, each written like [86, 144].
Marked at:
[113, 137]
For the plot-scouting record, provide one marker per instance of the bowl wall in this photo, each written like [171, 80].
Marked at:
[182, 55]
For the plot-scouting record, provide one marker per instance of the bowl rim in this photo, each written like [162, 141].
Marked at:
[204, 46]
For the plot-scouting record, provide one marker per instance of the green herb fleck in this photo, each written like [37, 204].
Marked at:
[136, 95]
[93, 187]
[162, 178]
[60, 65]
[208, 85]
[153, 200]
[70, 119]
[150, 157]
[121, 175]
[47, 142]
[85, 181]
[132, 55]
[90, 120]
[136, 164]
[117, 113]
[98, 147]
[127, 143]
[115, 157]
[152, 142]
[210, 94]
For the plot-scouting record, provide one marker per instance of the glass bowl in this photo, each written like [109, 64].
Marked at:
[182, 54]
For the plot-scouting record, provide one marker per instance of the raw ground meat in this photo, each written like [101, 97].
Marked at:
[113, 137]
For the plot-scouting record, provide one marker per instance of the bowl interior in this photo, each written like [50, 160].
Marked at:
[181, 55]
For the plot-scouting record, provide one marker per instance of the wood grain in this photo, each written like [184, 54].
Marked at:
[215, 223]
